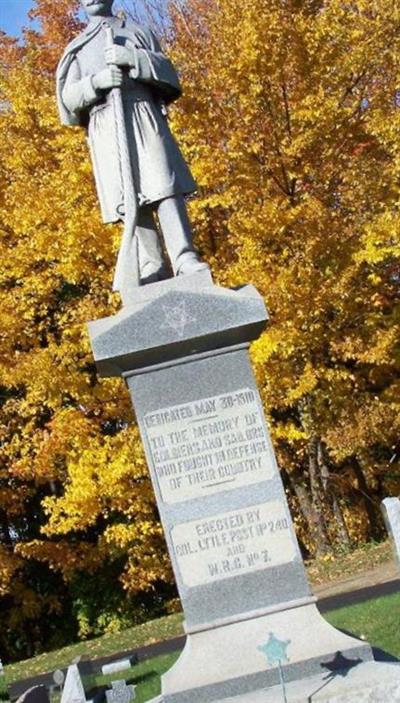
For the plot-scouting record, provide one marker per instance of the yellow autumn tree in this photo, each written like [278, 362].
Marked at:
[291, 122]
[79, 529]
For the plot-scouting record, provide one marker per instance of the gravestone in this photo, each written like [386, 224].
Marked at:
[182, 348]
[120, 693]
[59, 678]
[391, 514]
[58, 682]
[73, 691]
[114, 667]
[36, 694]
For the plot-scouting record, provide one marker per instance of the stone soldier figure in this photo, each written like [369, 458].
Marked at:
[114, 80]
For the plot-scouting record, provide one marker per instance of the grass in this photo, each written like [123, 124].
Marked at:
[376, 621]
[3, 690]
[139, 636]
[145, 676]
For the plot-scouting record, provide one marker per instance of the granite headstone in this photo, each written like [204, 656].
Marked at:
[120, 693]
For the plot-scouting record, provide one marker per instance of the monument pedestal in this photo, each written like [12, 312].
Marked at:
[233, 659]
[182, 348]
[366, 683]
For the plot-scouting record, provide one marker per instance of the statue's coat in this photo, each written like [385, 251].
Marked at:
[158, 167]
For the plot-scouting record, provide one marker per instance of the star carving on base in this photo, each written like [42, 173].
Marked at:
[177, 317]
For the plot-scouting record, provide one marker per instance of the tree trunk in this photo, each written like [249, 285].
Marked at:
[322, 542]
[5, 529]
[375, 531]
[340, 523]
[311, 517]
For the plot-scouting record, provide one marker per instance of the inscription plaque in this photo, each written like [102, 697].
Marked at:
[210, 445]
[234, 543]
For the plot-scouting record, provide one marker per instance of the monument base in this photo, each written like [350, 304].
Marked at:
[366, 683]
[242, 657]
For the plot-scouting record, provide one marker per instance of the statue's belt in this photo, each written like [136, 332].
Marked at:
[131, 93]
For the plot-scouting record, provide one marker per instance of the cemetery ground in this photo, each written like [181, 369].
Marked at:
[374, 619]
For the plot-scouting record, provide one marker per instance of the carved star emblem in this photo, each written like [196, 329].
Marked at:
[275, 650]
[177, 318]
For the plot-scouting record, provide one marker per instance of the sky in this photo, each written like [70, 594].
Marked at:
[14, 15]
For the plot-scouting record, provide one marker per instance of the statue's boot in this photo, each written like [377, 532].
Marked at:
[191, 264]
[151, 261]
[178, 237]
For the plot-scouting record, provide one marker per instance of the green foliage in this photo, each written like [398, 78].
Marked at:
[139, 636]
[100, 605]
[299, 100]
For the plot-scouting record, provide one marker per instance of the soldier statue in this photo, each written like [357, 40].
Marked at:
[114, 81]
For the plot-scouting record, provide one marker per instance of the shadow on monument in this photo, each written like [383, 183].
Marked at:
[339, 666]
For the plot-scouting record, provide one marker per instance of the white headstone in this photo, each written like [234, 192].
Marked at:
[58, 677]
[73, 691]
[120, 693]
[114, 667]
[1, 668]
[391, 514]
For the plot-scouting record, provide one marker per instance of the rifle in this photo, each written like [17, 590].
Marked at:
[127, 269]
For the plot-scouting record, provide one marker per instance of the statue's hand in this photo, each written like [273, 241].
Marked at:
[120, 56]
[108, 78]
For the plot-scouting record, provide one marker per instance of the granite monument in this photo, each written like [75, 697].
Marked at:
[182, 348]
[181, 345]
